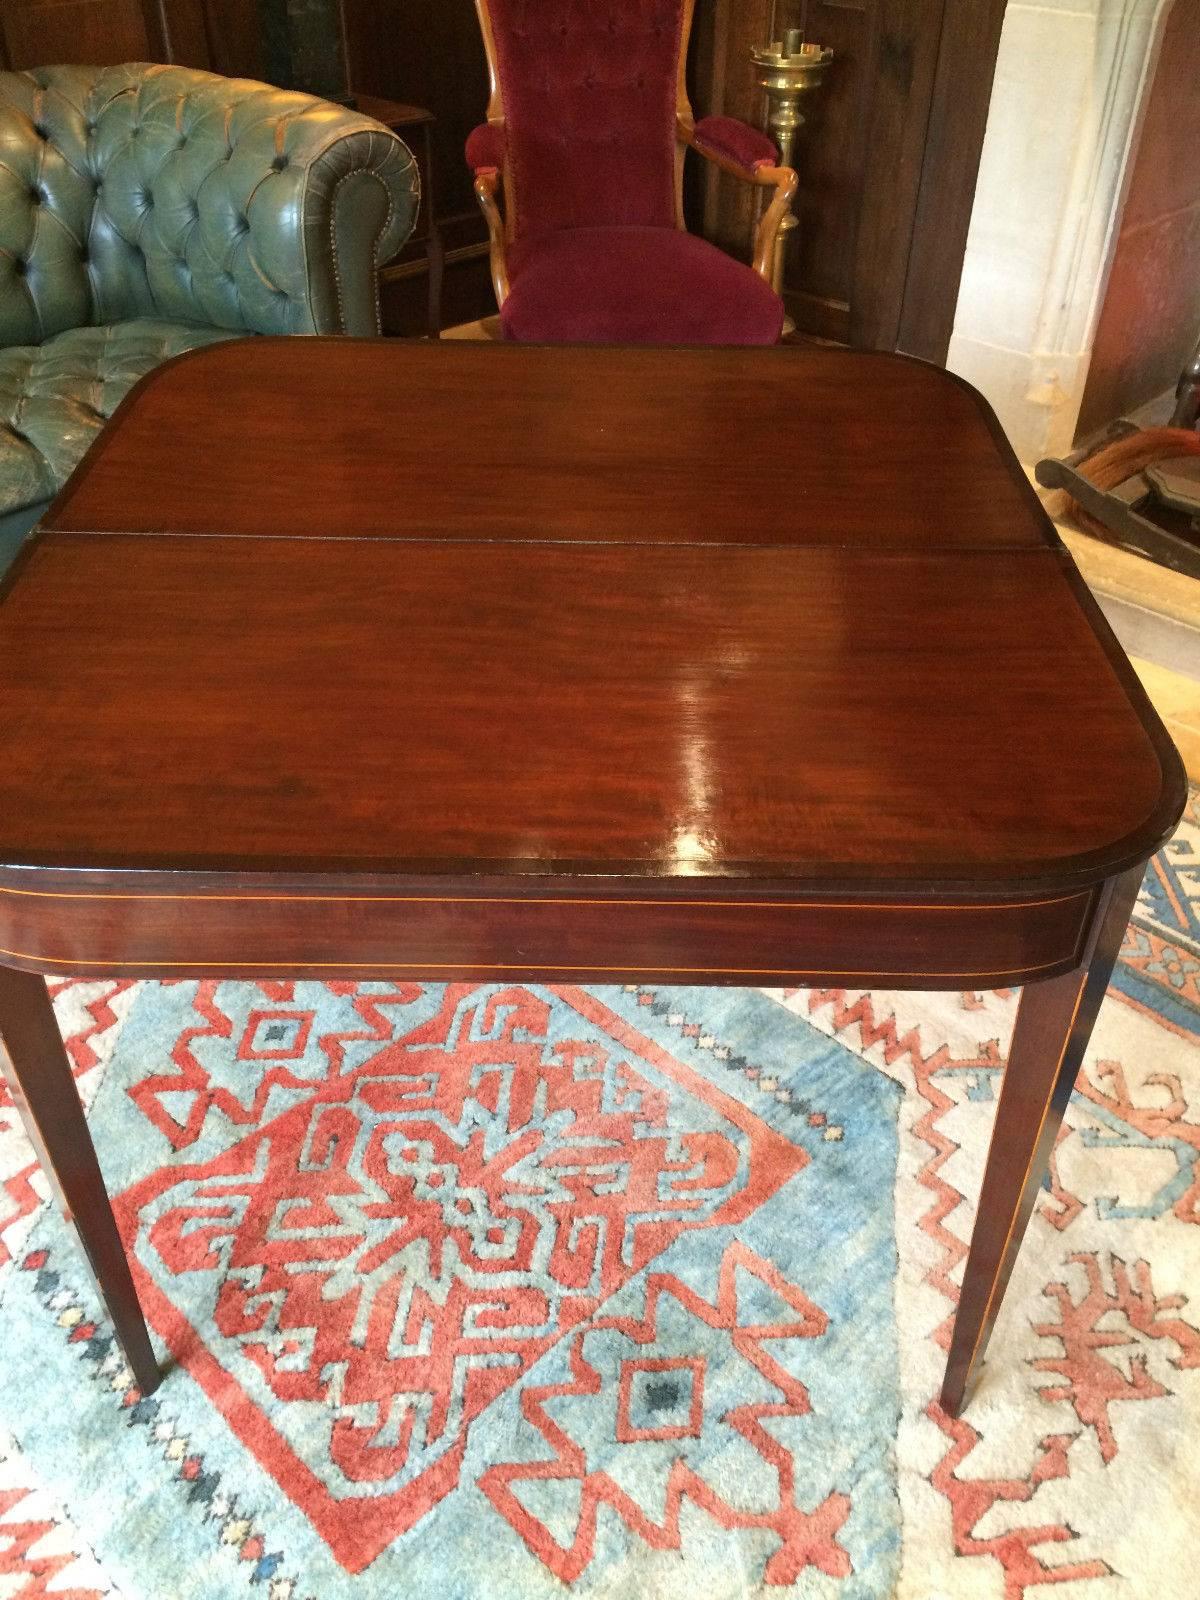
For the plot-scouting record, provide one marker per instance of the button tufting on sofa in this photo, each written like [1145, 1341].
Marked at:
[154, 277]
[65, 390]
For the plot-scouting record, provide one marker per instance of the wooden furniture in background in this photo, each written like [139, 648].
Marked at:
[304, 46]
[888, 162]
[405, 708]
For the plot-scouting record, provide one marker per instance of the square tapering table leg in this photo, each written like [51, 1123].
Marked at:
[1054, 1023]
[39, 1076]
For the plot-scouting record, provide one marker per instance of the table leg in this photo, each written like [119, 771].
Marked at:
[1054, 1023]
[39, 1076]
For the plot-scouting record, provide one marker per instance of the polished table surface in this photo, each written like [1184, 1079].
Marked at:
[719, 665]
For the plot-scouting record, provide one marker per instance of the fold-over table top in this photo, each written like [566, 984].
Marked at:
[336, 606]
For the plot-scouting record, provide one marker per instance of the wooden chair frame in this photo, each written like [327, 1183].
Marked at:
[491, 182]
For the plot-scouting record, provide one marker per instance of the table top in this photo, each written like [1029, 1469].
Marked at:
[358, 607]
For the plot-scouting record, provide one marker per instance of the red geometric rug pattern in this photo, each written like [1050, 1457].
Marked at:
[805, 1539]
[402, 1244]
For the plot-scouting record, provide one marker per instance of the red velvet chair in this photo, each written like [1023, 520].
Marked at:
[588, 123]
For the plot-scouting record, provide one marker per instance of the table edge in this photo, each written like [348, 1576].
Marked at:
[796, 879]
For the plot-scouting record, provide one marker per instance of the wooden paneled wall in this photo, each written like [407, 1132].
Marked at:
[221, 35]
[830, 150]
[40, 32]
[887, 159]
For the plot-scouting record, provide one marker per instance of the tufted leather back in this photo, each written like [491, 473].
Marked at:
[589, 90]
[149, 191]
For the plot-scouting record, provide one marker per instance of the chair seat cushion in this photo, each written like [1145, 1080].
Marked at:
[634, 286]
[55, 397]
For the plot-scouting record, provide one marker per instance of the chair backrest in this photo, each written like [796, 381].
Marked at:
[152, 191]
[588, 94]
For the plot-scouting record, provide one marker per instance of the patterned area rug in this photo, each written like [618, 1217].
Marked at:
[488, 1293]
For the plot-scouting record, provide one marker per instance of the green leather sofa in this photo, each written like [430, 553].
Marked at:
[145, 210]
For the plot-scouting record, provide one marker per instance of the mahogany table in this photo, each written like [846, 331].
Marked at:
[354, 658]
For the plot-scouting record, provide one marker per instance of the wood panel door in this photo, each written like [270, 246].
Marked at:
[888, 157]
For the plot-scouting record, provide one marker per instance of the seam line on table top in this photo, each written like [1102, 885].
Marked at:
[556, 900]
[999, 548]
[264, 966]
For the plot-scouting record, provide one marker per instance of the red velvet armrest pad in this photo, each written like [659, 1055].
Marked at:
[485, 147]
[736, 141]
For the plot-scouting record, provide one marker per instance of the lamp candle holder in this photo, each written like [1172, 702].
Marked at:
[790, 70]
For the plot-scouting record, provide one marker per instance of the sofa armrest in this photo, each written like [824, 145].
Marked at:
[228, 202]
[361, 194]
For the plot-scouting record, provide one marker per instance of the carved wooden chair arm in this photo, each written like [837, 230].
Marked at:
[486, 151]
[746, 153]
